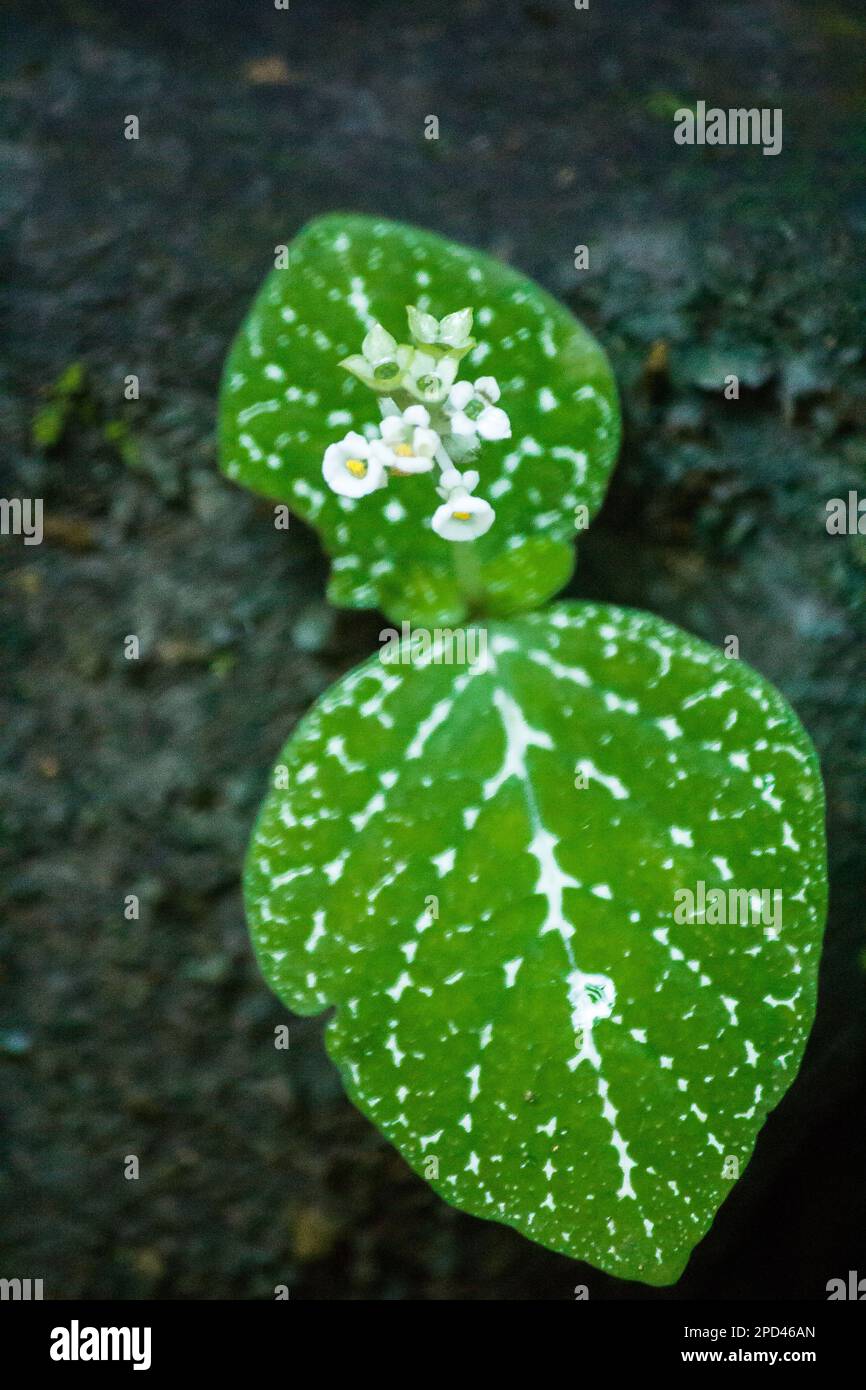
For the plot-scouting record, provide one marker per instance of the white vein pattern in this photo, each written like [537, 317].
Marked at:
[515, 999]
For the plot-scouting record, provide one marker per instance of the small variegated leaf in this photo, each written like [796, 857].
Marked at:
[285, 398]
[481, 864]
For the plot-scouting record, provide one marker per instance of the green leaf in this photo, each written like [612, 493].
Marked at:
[478, 865]
[526, 578]
[285, 397]
[424, 597]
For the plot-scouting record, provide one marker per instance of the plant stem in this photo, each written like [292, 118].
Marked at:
[467, 569]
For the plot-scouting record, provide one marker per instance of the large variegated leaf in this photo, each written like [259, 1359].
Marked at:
[479, 864]
[285, 398]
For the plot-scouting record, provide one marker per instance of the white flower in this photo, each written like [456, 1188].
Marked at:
[381, 361]
[451, 333]
[473, 409]
[355, 466]
[451, 478]
[463, 517]
[429, 378]
[411, 442]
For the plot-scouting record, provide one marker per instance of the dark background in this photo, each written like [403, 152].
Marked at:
[155, 1037]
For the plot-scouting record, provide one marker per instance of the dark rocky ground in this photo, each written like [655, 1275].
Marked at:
[155, 1037]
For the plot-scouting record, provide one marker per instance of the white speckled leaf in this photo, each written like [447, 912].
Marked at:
[580, 1065]
[285, 398]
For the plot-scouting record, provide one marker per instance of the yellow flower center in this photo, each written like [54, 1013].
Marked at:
[357, 467]
[404, 450]
[460, 516]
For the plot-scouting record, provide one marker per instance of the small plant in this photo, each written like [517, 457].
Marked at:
[482, 863]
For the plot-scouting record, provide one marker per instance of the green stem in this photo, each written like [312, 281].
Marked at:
[467, 568]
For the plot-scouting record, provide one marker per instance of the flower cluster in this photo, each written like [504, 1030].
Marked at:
[429, 418]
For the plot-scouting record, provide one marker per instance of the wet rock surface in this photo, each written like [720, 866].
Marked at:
[155, 1037]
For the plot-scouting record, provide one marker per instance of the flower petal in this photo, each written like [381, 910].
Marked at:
[473, 517]
[340, 480]
[493, 423]
[378, 344]
[447, 368]
[414, 463]
[359, 367]
[462, 425]
[393, 429]
[425, 442]
[455, 328]
[488, 387]
[423, 327]
[382, 454]
[460, 395]
[423, 363]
